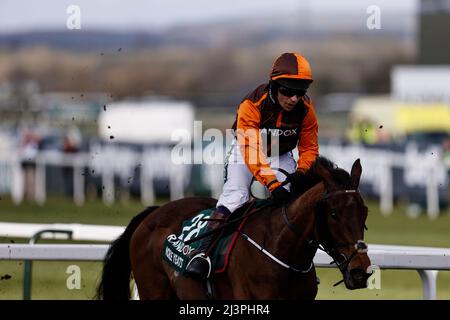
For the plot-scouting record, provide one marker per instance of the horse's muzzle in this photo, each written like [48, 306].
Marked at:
[356, 279]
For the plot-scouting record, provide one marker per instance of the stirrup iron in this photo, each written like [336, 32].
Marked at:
[204, 257]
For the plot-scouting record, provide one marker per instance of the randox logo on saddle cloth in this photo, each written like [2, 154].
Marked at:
[176, 252]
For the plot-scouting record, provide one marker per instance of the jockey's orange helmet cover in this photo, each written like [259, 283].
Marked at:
[291, 68]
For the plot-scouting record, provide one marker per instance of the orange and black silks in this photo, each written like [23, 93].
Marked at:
[259, 113]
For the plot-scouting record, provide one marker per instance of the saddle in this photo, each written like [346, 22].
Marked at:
[176, 252]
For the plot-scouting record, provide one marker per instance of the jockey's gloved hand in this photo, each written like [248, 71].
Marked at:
[280, 195]
[297, 177]
[299, 182]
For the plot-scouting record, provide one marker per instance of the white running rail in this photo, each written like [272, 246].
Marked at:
[423, 259]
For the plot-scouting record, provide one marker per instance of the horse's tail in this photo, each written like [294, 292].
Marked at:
[115, 281]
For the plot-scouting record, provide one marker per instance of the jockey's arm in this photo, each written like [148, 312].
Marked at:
[308, 145]
[249, 140]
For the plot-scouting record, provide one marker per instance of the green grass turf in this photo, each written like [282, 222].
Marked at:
[49, 278]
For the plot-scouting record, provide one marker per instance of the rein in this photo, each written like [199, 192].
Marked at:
[271, 256]
[360, 245]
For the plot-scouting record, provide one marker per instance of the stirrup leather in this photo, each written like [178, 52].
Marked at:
[202, 256]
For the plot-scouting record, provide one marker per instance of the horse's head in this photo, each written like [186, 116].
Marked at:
[341, 216]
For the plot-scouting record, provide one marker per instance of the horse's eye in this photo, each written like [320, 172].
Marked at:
[333, 215]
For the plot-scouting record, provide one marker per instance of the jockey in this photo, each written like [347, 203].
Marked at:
[282, 112]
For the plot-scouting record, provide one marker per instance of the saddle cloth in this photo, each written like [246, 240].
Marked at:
[176, 253]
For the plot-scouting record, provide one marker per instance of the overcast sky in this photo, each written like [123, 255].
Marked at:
[23, 15]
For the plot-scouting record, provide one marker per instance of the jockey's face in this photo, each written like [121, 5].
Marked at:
[287, 103]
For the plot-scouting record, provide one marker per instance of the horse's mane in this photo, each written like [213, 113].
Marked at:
[301, 182]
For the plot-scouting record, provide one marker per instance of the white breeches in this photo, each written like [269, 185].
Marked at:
[238, 177]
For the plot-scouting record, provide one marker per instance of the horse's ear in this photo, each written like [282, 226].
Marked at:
[356, 173]
[325, 175]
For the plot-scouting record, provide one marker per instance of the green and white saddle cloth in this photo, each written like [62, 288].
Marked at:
[175, 251]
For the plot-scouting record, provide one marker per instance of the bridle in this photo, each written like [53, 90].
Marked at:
[328, 244]
[331, 250]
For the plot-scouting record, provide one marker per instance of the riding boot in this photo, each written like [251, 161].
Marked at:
[200, 263]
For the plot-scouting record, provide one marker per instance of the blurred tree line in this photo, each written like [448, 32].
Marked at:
[216, 75]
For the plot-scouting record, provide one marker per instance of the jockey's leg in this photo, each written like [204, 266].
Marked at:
[235, 194]
[238, 177]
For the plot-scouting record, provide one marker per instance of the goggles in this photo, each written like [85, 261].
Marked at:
[288, 92]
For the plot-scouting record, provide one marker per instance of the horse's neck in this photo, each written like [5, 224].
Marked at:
[301, 215]
[301, 210]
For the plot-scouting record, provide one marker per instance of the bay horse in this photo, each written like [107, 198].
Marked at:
[273, 258]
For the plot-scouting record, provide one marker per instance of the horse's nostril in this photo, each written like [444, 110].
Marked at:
[358, 275]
